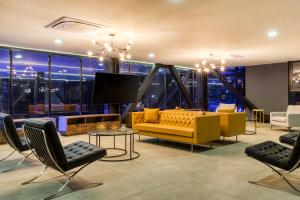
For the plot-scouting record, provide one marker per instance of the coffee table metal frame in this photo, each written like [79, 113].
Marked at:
[115, 133]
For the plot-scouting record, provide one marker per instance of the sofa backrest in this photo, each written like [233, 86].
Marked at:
[293, 109]
[178, 117]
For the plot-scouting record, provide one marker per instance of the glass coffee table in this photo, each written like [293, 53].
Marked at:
[126, 154]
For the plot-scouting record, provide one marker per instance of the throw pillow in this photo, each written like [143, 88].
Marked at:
[151, 115]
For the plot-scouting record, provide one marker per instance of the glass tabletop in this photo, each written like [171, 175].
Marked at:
[113, 132]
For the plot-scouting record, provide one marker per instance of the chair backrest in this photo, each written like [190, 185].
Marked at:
[293, 109]
[9, 131]
[226, 106]
[45, 142]
[296, 151]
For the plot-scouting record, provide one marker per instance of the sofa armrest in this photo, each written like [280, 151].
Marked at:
[233, 124]
[137, 117]
[277, 114]
[293, 120]
[207, 128]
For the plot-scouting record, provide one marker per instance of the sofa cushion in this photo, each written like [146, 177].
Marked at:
[151, 115]
[279, 119]
[226, 110]
[166, 129]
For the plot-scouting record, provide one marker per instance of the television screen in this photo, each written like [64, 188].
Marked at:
[115, 88]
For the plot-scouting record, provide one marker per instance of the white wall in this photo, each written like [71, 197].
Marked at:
[267, 86]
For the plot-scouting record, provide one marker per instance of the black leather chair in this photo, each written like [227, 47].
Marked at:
[18, 144]
[289, 138]
[48, 149]
[275, 155]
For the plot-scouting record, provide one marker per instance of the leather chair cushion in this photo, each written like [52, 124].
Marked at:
[272, 153]
[289, 138]
[166, 129]
[80, 153]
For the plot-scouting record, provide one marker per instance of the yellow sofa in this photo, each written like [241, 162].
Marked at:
[190, 127]
[232, 124]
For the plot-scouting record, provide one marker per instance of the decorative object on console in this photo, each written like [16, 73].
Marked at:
[288, 119]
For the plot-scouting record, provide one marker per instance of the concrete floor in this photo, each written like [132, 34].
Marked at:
[165, 170]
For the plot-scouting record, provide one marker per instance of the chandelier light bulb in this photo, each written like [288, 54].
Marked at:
[199, 70]
[128, 47]
[204, 62]
[89, 53]
[197, 65]
[109, 49]
[106, 45]
[130, 42]
[223, 61]
[206, 70]
[222, 68]
[213, 66]
[101, 58]
[128, 56]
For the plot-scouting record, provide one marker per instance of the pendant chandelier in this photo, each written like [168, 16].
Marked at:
[108, 49]
[211, 64]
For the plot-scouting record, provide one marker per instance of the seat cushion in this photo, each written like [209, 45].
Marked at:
[80, 153]
[279, 119]
[271, 153]
[151, 115]
[166, 129]
[289, 138]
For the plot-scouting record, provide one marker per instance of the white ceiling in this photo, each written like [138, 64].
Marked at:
[179, 32]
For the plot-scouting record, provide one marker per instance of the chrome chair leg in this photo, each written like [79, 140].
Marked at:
[8, 156]
[69, 178]
[41, 173]
[17, 165]
[281, 175]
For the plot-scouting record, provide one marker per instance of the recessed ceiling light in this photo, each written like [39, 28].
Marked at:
[58, 41]
[89, 53]
[272, 34]
[18, 56]
[151, 55]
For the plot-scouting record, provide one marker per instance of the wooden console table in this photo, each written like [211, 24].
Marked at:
[82, 124]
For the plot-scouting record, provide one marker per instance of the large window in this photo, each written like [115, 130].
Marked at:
[4, 80]
[218, 93]
[89, 67]
[30, 84]
[65, 85]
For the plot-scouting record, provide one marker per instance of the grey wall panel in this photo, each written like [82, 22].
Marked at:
[267, 86]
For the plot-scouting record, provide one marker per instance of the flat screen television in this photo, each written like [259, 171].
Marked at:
[115, 88]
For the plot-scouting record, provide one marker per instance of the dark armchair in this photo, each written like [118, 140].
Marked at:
[275, 155]
[48, 149]
[289, 138]
[18, 144]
